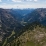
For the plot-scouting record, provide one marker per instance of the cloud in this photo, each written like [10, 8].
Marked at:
[24, 0]
[16, 0]
[21, 6]
[28, 0]
[3, 3]
[7, 0]
[35, 0]
[21, 0]
[0, 0]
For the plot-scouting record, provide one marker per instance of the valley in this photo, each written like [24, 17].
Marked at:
[23, 27]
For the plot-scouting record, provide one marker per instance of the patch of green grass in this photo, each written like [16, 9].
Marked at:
[12, 34]
[5, 42]
[30, 44]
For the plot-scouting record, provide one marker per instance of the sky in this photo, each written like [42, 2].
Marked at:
[8, 4]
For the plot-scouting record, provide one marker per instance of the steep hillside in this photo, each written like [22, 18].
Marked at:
[8, 24]
[23, 12]
[19, 13]
[10, 20]
[22, 30]
[32, 35]
[37, 15]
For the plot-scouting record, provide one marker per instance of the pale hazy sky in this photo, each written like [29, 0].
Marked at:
[22, 3]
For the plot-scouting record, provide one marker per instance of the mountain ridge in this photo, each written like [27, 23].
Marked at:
[13, 23]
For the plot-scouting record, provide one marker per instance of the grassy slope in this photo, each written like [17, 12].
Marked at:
[33, 36]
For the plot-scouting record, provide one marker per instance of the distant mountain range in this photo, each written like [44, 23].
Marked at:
[14, 20]
[37, 15]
